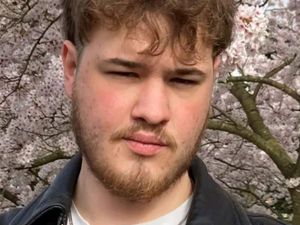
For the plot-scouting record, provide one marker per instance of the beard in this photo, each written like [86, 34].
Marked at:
[138, 184]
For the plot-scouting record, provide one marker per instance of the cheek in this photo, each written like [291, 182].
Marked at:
[101, 105]
[191, 119]
[107, 105]
[194, 116]
[107, 100]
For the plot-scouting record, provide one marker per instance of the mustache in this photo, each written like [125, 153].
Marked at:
[159, 131]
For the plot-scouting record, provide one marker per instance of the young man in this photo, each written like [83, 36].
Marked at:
[140, 75]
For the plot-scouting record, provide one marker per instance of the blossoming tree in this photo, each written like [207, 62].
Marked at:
[257, 104]
[253, 142]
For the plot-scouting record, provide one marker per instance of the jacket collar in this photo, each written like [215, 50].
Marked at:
[57, 198]
[211, 205]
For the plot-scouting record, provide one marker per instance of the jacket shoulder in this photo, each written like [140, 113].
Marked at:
[259, 219]
[8, 216]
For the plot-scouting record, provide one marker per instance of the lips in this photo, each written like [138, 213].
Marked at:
[144, 144]
[146, 139]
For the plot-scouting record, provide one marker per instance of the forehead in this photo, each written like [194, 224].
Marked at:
[143, 41]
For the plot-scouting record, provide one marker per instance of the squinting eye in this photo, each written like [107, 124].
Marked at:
[123, 74]
[184, 81]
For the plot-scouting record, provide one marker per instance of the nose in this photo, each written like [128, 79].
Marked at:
[152, 104]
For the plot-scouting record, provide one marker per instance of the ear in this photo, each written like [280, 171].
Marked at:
[216, 65]
[69, 58]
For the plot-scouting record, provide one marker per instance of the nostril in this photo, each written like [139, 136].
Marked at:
[152, 114]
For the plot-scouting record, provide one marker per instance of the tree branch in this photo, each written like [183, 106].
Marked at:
[225, 114]
[264, 3]
[248, 191]
[271, 147]
[274, 72]
[27, 61]
[248, 103]
[9, 196]
[52, 157]
[297, 167]
[263, 80]
[230, 165]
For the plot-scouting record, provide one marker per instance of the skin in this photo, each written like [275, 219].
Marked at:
[111, 98]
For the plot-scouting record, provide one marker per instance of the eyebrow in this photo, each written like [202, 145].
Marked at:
[125, 63]
[137, 65]
[188, 71]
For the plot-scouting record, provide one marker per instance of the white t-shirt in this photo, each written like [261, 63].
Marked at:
[176, 217]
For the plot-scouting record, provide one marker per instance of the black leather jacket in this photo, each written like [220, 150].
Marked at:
[211, 204]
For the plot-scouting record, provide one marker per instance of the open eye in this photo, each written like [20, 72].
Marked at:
[184, 81]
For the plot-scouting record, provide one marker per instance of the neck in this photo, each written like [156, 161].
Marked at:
[98, 206]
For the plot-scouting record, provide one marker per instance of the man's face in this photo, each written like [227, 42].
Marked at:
[137, 118]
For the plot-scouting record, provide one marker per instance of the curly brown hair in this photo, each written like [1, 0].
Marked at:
[188, 21]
